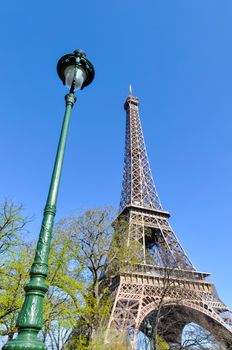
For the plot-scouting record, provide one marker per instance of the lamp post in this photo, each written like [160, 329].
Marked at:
[76, 72]
[149, 334]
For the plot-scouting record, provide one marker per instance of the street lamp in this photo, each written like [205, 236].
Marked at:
[76, 72]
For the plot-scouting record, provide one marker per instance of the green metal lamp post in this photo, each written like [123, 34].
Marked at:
[76, 72]
[149, 334]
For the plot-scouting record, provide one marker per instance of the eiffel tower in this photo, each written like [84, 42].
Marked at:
[137, 291]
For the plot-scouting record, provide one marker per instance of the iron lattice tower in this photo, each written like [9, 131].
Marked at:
[138, 289]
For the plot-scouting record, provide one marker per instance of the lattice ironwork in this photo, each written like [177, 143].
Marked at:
[138, 290]
[160, 244]
[138, 187]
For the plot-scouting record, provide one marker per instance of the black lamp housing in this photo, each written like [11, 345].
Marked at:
[72, 59]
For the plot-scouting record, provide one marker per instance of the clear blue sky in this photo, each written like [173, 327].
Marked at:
[178, 56]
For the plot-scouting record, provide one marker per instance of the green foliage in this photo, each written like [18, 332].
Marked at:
[91, 235]
[13, 277]
[75, 299]
[115, 340]
[62, 303]
[162, 344]
[14, 264]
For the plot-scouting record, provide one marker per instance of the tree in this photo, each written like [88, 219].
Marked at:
[115, 340]
[62, 303]
[101, 247]
[12, 266]
[91, 236]
[77, 300]
[12, 223]
[196, 337]
[13, 278]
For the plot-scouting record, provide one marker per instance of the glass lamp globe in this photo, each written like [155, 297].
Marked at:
[78, 79]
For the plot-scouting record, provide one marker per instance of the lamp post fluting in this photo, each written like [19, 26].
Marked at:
[76, 72]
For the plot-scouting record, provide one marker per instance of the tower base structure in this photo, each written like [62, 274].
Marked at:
[138, 295]
[184, 295]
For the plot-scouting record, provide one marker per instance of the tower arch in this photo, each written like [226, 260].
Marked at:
[178, 315]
